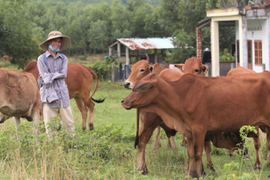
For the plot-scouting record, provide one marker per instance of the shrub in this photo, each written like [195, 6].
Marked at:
[102, 70]
[226, 56]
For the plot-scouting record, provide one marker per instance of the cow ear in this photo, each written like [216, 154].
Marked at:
[204, 69]
[151, 69]
[179, 66]
[144, 86]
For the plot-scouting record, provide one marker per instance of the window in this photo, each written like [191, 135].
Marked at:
[249, 51]
[249, 44]
[258, 52]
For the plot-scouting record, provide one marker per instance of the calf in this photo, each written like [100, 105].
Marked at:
[199, 106]
[20, 97]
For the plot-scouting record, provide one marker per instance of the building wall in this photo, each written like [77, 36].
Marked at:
[258, 29]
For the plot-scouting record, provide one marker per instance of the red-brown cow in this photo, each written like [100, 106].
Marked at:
[79, 82]
[198, 106]
[193, 65]
[150, 121]
[240, 71]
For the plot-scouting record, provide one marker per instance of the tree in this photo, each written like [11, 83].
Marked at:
[16, 38]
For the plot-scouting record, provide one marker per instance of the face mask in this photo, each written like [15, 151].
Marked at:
[53, 49]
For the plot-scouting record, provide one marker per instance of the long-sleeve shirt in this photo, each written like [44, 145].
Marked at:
[54, 74]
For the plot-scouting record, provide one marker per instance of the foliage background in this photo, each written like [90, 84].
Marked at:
[94, 25]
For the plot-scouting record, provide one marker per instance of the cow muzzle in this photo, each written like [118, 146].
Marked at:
[128, 85]
[124, 105]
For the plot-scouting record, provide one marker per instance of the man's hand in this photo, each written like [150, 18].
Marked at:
[40, 77]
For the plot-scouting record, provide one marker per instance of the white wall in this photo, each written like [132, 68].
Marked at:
[258, 35]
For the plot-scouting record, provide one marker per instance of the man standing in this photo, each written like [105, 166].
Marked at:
[52, 67]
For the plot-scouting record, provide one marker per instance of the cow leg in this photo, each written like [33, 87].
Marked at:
[184, 141]
[257, 146]
[190, 151]
[198, 140]
[149, 122]
[90, 105]
[36, 123]
[207, 148]
[17, 122]
[195, 153]
[157, 143]
[83, 110]
[170, 133]
[268, 147]
[171, 143]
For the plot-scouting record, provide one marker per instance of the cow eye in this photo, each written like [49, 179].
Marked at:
[142, 70]
[196, 70]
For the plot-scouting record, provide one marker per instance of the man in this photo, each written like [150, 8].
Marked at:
[52, 67]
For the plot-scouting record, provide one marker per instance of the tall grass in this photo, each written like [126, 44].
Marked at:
[107, 152]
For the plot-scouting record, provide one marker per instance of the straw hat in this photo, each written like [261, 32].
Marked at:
[56, 34]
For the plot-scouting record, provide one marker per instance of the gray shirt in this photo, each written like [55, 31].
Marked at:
[54, 74]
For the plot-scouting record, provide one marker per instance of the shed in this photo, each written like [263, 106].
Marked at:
[137, 44]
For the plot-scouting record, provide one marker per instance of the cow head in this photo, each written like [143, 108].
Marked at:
[193, 65]
[143, 93]
[229, 140]
[139, 70]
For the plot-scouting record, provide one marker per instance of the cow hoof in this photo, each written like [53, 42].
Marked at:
[184, 146]
[145, 172]
[211, 167]
[91, 127]
[258, 168]
[203, 174]
[156, 146]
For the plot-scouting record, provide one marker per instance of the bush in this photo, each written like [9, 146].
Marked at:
[102, 70]
[226, 56]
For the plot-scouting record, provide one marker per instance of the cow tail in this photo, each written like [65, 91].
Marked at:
[96, 86]
[137, 133]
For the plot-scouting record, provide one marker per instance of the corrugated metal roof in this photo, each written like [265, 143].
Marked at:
[147, 43]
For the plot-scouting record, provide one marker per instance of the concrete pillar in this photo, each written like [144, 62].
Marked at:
[119, 52]
[127, 55]
[215, 48]
[243, 56]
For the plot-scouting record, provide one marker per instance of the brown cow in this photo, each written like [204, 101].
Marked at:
[198, 106]
[20, 97]
[79, 82]
[150, 121]
[239, 71]
[6, 57]
[193, 65]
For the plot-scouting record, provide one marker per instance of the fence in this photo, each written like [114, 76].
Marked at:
[120, 73]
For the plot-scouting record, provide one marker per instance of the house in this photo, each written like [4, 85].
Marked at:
[252, 42]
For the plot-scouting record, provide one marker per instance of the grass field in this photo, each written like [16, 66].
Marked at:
[107, 152]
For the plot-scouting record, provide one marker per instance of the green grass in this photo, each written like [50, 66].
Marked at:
[107, 152]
